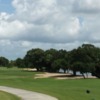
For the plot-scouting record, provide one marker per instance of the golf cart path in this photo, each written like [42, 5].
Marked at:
[26, 95]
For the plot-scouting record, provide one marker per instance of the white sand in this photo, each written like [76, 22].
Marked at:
[59, 76]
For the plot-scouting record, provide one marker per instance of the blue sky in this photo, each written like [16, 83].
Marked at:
[6, 6]
[59, 24]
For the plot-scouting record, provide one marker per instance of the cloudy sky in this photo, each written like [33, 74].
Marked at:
[59, 24]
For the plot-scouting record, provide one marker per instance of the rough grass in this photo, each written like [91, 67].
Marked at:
[62, 89]
[7, 96]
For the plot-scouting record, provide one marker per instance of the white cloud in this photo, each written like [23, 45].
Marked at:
[32, 10]
[86, 6]
[13, 30]
[51, 23]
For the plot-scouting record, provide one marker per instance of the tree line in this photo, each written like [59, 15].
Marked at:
[84, 59]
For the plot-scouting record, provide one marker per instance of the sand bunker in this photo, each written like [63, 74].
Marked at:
[60, 76]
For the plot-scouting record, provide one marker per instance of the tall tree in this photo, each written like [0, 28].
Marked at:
[83, 55]
[35, 59]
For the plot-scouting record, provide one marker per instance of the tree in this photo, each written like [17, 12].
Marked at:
[56, 65]
[84, 55]
[85, 59]
[65, 59]
[83, 68]
[50, 56]
[62, 54]
[97, 70]
[59, 64]
[20, 63]
[35, 59]
[4, 62]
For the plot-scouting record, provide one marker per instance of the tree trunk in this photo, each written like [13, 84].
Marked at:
[65, 71]
[37, 69]
[74, 72]
[83, 75]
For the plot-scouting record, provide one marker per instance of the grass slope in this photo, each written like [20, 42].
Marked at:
[7, 96]
[62, 89]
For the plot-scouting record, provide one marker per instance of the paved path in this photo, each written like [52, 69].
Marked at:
[27, 95]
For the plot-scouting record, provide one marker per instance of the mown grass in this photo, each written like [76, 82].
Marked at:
[62, 89]
[7, 96]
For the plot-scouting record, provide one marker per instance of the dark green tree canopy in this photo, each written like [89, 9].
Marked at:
[84, 59]
[4, 61]
[34, 58]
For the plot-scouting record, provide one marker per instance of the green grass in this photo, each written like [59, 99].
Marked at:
[62, 89]
[7, 96]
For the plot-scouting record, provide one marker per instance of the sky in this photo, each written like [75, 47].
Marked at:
[45, 24]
